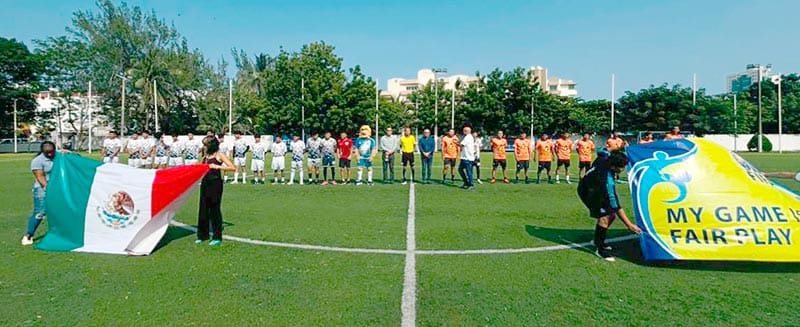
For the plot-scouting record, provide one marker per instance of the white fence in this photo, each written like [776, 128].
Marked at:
[787, 142]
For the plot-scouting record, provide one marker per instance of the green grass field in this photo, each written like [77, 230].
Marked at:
[248, 284]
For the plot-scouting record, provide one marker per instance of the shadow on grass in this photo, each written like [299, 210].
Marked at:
[631, 252]
[173, 233]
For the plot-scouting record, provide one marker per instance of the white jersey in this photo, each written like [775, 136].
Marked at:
[225, 148]
[314, 148]
[298, 150]
[111, 146]
[259, 150]
[176, 149]
[240, 148]
[134, 146]
[192, 148]
[478, 145]
[278, 149]
[147, 146]
[161, 149]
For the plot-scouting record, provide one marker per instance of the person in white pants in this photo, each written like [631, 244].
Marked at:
[240, 149]
[257, 163]
[298, 152]
[161, 149]
[175, 152]
[192, 149]
[133, 147]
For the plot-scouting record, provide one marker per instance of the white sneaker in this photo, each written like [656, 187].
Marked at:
[478, 181]
[234, 182]
[404, 183]
[290, 183]
[27, 240]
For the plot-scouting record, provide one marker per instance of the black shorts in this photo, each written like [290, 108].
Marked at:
[499, 162]
[344, 163]
[408, 158]
[450, 162]
[545, 164]
[585, 165]
[523, 164]
[562, 162]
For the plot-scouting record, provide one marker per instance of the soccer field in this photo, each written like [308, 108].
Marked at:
[501, 255]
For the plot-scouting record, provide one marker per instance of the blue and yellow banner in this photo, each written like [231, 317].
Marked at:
[695, 200]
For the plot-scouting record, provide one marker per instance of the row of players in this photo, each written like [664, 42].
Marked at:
[145, 151]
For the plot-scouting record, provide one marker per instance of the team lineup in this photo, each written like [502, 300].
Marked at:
[318, 159]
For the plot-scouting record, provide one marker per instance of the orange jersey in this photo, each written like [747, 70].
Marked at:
[563, 149]
[450, 147]
[670, 136]
[545, 150]
[522, 149]
[499, 148]
[585, 150]
[614, 143]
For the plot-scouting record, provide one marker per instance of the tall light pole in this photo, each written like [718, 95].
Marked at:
[612, 101]
[155, 103]
[303, 108]
[760, 127]
[735, 124]
[377, 108]
[694, 89]
[89, 106]
[533, 100]
[436, 105]
[779, 80]
[122, 109]
[14, 129]
[453, 107]
[230, 106]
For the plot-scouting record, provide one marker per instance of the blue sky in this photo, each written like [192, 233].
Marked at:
[642, 42]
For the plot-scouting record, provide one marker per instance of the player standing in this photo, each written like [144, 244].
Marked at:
[365, 152]
[314, 157]
[389, 145]
[585, 149]
[175, 152]
[522, 154]
[160, 159]
[345, 150]
[298, 153]
[257, 162]
[192, 147]
[499, 144]
[564, 154]
[544, 152]
[147, 151]
[240, 149]
[477, 162]
[450, 146]
[133, 147]
[111, 147]
[278, 159]
[426, 148]
[407, 144]
[328, 159]
[468, 150]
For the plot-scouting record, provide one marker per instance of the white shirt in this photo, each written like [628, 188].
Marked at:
[225, 148]
[298, 149]
[468, 148]
[478, 144]
[193, 149]
[111, 145]
[176, 149]
[239, 148]
[259, 150]
[134, 145]
[147, 146]
[278, 149]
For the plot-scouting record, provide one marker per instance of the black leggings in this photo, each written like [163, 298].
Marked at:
[210, 201]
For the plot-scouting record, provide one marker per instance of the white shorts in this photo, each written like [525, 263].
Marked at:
[315, 162]
[190, 161]
[278, 163]
[297, 165]
[146, 161]
[135, 163]
[239, 161]
[114, 159]
[257, 165]
[160, 161]
[175, 161]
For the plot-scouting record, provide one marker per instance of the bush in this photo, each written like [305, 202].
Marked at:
[752, 145]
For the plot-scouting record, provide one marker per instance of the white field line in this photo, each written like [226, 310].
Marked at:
[312, 247]
[408, 306]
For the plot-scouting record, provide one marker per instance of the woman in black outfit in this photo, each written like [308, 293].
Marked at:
[211, 193]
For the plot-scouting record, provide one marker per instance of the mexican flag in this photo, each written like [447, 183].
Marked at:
[112, 208]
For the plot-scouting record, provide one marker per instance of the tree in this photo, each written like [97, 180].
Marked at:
[19, 74]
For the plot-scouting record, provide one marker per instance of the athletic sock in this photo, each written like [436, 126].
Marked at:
[558, 178]
[567, 178]
[325, 173]
[360, 175]
[235, 176]
[333, 174]
[369, 176]
[244, 177]
[600, 236]
[301, 177]
[291, 176]
[225, 178]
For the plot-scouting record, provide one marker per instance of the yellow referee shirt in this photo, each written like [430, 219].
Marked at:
[407, 143]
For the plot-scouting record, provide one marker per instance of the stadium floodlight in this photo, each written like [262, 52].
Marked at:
[89, 109]
[777, 79]
[436, 105]
[760, 125]
[15, 126]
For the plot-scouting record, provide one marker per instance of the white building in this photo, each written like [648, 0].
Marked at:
[741, 81]
[554, 85]
[400, 88]
[69, 117]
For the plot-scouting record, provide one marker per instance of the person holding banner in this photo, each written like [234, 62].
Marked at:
[597, 190]
[40, 166]
[211, 193]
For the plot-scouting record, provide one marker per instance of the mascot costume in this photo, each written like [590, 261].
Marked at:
[366, 149]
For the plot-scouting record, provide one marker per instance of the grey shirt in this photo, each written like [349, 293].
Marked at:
[43, 163]
[389, 143]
